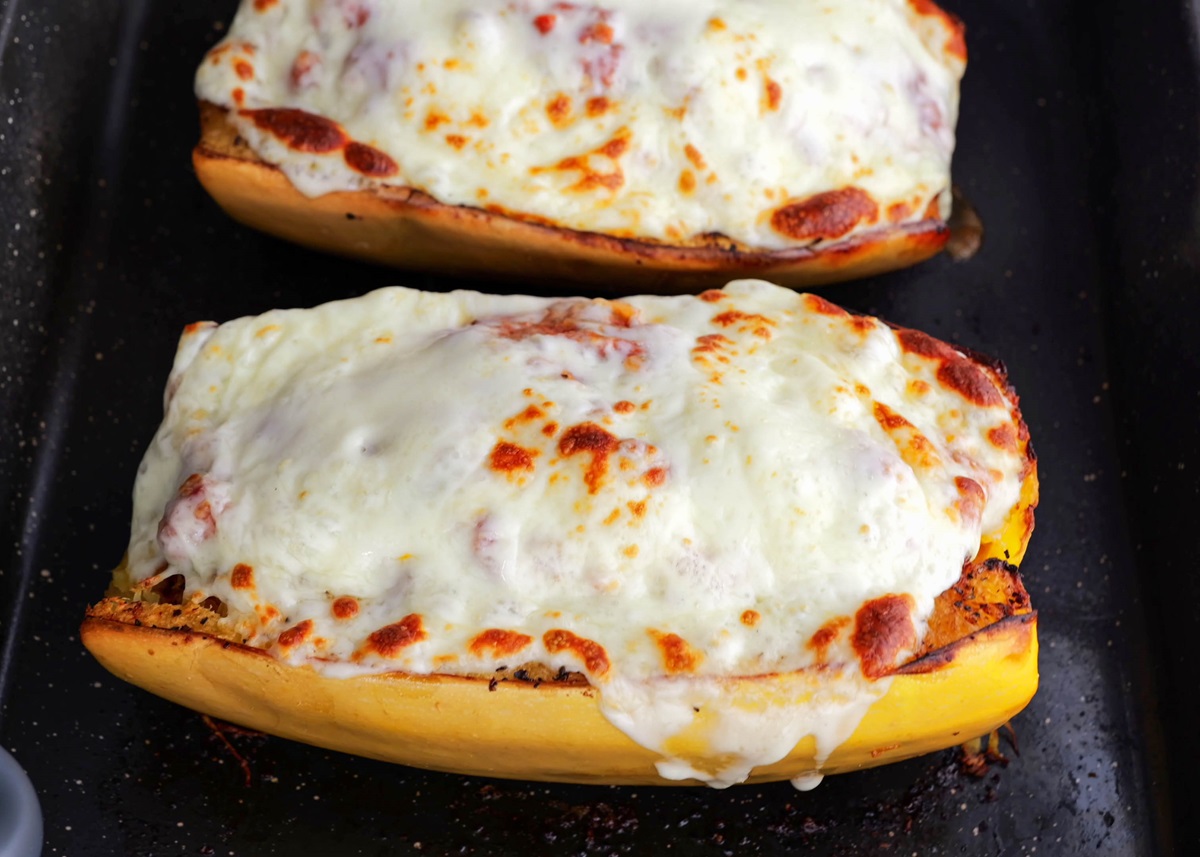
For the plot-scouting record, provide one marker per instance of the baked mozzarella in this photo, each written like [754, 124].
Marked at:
[773, 124]
[657, 493]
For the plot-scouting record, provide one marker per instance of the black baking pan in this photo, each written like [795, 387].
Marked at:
[1078, 146]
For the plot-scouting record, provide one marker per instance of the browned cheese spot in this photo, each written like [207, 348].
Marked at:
[390, 639]
[883, 628]
[369, 161]
[598, 106]
[818, 304]
[1003, 437]
[655, 476]
[956, 372]
[559, 110]
[825, 215]
[509, 458]
[899, 211]
[750, 618]
[497, 643]
[242, 576]
[531, 413]
[916, 450]
[862, 324]
[433, 119]
[590, 177]
[772, 95]
[746, 322]
[889, 419]
[592, 654]
[296, 634]
[968, 380]
[924, 345]
[826, 634]
[678, 656]
[589, 439]
[345, 607]
[956, 43]
[299, 130]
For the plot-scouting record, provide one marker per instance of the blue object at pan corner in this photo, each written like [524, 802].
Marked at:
[20, 814]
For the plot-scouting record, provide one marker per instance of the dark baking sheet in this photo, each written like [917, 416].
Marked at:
[1078, 144]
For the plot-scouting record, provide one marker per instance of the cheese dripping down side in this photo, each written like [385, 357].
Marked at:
[776, 123]
[660, 493]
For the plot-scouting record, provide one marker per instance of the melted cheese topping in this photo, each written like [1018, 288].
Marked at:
[657, 493]
[777, 123]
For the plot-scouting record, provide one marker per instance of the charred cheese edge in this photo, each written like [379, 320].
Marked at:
[725, 521]
[801, 140]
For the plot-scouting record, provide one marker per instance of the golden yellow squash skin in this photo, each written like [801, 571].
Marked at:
[448, 723]
[976, 670]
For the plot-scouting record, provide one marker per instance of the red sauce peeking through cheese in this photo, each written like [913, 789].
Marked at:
[569, 320]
